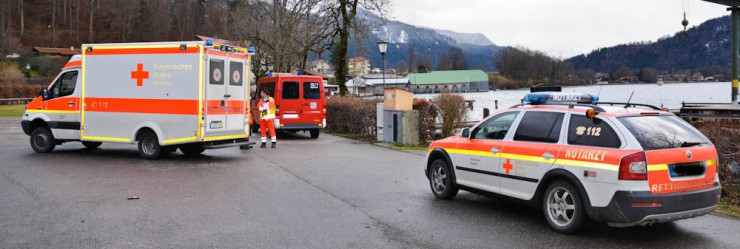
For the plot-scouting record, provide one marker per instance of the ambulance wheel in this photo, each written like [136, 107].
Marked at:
[42, 140]
[563, 207]
[192, 149]
[440, 180]
[314, 133]
[149, 146]
[166, 150]
[91, 145]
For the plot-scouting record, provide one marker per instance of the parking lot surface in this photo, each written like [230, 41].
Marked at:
[329, 192]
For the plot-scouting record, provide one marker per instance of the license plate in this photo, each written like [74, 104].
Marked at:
[290, 115]
[687, 169]
[216, 125]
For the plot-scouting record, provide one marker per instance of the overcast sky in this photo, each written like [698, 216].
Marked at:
[562, 28]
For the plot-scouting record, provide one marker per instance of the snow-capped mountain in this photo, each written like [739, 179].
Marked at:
[479, 50]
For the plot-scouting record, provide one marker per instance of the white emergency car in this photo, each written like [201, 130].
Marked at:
[577, 159]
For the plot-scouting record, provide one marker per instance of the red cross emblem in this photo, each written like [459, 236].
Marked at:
[140, 75]
[217, 74]
[236, 76]
[508, 166]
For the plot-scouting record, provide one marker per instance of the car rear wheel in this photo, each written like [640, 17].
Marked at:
[440, 180]
[42, 140]
[192, 149]
[149, 146]
[91, 145]
[314, 133]
[563, 207]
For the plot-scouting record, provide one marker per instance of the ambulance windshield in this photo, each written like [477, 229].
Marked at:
[663, 132]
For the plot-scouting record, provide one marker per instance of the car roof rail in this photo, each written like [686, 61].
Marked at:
[627, 105]
[569, 105]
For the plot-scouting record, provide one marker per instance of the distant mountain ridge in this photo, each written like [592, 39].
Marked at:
[479, 50]
[707, 44]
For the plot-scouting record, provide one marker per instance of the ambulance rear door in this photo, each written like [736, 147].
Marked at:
[236, 95]
[216, 94]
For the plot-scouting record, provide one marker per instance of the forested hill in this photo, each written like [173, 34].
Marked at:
[706, 45]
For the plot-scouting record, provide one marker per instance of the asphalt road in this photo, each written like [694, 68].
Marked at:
[325, 193]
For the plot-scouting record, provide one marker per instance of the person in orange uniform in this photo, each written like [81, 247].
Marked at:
[267, 117]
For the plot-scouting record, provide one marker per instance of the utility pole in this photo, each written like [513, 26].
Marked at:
[734, 8]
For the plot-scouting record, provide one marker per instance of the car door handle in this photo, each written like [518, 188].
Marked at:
[227, 95]
[71, 103]
[548, 156]
[495, 151]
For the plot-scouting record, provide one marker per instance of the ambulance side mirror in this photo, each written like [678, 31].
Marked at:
[465, 133]
[44, 93]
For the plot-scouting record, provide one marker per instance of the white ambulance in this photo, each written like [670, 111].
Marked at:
[166, 95]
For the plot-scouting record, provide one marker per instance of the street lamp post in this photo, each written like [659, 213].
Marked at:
[383, 47]
[28, 73]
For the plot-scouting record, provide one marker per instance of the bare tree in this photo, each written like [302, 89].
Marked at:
[402, 67]
[454, 59]
[343, 13]
[20, 11]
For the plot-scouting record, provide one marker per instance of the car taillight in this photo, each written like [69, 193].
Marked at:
[633, 167]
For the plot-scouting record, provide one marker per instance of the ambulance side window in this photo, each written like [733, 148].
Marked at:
[495, 127]
[64, 86]
[587, 132]
[540, 127]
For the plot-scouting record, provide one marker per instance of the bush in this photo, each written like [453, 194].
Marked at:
[452, 109]
[19, 91]
[724, 134]
[9, 73]
[352, 116]
[427, 120]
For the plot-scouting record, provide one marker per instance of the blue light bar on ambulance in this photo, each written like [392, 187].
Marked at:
[209, 42]
[250, 49]
[559, 97]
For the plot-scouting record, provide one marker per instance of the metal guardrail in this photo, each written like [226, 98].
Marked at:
[15, 101]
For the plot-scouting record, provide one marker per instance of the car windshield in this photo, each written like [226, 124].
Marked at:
[663, 132]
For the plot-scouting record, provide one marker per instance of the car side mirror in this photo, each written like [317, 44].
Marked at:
[44, 93]
[465, 132]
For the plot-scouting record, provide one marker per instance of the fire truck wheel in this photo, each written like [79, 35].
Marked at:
[192, 149]
[42, 140]
[149, 146]
[440, 180]
[91, 145]
[314, 133]
[563, 207]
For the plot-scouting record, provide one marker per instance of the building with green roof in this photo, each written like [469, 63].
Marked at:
[449, 81]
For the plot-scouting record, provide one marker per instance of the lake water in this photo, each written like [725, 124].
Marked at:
[669, 95]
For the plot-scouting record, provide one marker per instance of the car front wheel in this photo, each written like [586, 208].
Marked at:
[440, 180]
